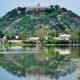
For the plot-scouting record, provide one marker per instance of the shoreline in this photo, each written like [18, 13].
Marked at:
[22, 44]
[62, 44]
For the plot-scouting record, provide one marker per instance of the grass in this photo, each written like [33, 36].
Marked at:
[78, 78]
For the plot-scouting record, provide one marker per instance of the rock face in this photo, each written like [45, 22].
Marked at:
[29, 19]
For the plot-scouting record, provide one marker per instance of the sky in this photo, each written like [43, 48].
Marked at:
[7, 5]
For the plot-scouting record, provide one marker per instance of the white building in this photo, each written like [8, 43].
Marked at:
[34, 39]
[13, 41]
[63, 37]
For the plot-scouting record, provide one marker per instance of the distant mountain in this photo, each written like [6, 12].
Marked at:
[30, 19]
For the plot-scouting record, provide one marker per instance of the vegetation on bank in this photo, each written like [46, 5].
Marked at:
[42, 33]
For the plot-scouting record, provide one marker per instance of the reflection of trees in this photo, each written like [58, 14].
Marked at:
[3, 48]
[49, 63]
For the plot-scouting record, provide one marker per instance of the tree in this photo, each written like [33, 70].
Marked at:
[64, 10]
[53, 33]
[75, 38]
[1, 34]
[42, 32]
[59, 18]
[57, 7]
[21, 35]
[52, 7]
[78, 38]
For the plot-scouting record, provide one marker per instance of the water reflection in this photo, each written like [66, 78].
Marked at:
[17, 49]
[62, 51]
[49, 63]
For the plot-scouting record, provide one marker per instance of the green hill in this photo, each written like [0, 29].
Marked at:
[31, 19]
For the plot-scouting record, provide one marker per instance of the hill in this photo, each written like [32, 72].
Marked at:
[31, 19]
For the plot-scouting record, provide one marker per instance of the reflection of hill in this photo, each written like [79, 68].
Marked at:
[49, 63]
[17, 49]
[3, 48]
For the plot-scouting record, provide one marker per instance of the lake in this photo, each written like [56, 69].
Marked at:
[39, 63]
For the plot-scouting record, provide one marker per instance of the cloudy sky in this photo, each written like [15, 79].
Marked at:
[7, 5]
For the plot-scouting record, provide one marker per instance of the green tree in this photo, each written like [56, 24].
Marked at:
[21, 35]
[59, 18]
[57, 7]
[1, 34]
[42, 32]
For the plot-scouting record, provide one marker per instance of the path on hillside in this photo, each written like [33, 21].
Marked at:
[13, 24]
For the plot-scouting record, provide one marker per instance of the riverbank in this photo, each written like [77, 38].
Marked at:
[24, 44]
[62, 44]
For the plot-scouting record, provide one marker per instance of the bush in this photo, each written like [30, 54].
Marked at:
[62, 42]
[54, 41]
[31, 42]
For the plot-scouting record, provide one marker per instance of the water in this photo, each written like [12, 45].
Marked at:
[34, 63]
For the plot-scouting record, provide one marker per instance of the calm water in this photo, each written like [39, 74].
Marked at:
[34, 63]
